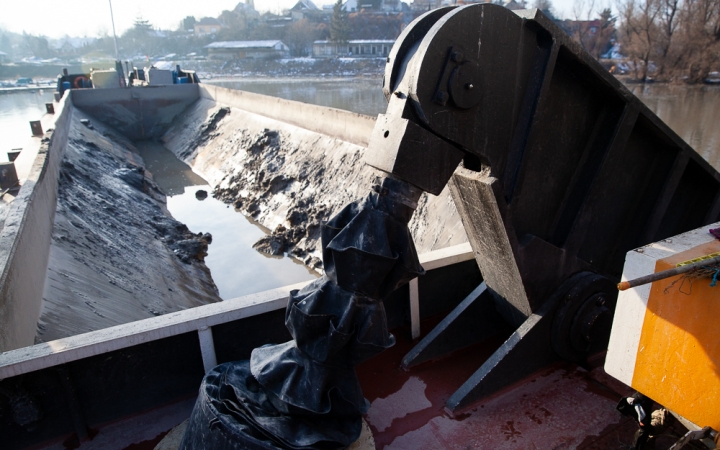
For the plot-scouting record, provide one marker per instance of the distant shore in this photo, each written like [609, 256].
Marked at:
[210, 69]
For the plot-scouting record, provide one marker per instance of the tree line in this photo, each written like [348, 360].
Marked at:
[668, 40]
[671, 40]
[663, 40]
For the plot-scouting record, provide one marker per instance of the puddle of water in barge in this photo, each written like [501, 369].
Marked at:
[236, 267]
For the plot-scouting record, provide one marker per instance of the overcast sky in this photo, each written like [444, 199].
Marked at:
[54, 18]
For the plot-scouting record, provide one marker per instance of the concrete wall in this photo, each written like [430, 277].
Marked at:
[25, 239]
[345, 125]
[137, 112]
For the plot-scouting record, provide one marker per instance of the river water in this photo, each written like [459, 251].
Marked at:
[360, 95]
[693, 112]
[17, 109]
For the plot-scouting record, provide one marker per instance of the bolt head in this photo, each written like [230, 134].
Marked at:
[442, 98]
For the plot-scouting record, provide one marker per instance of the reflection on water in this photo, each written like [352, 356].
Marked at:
[693, 112]
[236, 267]
[170, 174]
[17, 109]
[360, 95]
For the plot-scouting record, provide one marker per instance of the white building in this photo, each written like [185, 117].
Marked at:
[372, 5]
[358, 48]
[207, 25]
[247, 50]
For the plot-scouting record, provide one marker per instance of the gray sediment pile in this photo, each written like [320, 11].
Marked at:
[290, 179]
[117, 255]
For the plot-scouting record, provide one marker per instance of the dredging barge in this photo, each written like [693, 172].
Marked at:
[564, 172]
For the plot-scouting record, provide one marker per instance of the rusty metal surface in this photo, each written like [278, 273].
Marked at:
[563, 406]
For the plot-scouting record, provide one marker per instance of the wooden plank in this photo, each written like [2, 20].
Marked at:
[476, 197]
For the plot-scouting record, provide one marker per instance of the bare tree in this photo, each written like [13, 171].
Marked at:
[680, 37]
[300, 36]
[640, 33]
[593, 29]
[582, 11]
[698, 49]
[669, 20]
[546, 7]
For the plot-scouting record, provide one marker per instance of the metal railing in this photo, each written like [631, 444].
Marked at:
[200, 319]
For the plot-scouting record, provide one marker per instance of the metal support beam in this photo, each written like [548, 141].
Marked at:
[414, 308]
[526, 351]
[78, 420]
[474, 319]
[207, 348]
[694, 435]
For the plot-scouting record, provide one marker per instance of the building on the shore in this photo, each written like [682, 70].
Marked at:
[207, 25]
[373, 5]
[3, 57]
[305, 9]
[358, 48]
[247, 50]
[427, 5]
[513, 5]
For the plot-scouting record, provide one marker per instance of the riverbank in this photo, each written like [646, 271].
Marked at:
[212, 69]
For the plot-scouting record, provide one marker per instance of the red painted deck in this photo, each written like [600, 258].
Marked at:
[562, 407]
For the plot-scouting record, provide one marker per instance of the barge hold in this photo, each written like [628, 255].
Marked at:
[562, 172]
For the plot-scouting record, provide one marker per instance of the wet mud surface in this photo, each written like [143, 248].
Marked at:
[117, 255]
[290, 179]
[236, 268]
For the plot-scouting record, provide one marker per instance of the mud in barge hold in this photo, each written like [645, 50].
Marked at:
[113, 253]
